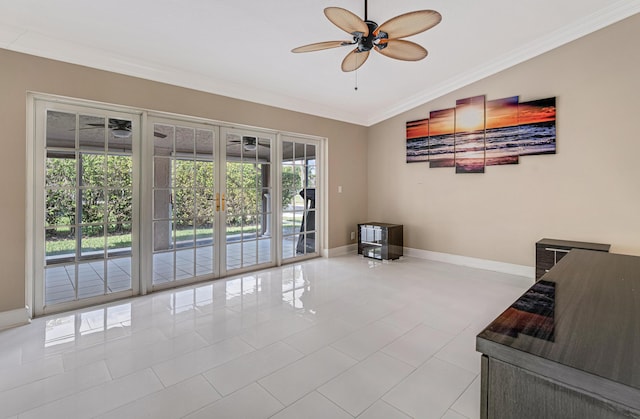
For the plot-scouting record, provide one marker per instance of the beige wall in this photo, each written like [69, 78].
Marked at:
[20, 73]
[588, 191]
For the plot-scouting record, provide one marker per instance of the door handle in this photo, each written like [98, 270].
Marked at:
[217, 202]
[224, 200]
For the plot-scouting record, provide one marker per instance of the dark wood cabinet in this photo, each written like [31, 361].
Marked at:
[380, 240]
[568, 348]
[550, 251]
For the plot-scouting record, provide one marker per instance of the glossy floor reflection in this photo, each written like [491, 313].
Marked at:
[328, 338]
[60, 284]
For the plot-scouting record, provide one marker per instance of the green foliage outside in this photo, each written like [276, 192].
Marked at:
[291, 185]
[193, 199]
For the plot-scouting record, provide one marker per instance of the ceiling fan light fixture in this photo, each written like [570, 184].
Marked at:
[121, 133]
[249, 143]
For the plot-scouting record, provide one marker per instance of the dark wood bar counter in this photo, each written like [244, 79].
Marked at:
[570, 346]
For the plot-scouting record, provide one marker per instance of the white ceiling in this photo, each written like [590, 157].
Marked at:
[241, 48]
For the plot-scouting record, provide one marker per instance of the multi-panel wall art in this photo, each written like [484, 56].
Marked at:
[418, 141]
[479, 133]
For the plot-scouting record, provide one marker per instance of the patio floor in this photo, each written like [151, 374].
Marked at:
[60, 279]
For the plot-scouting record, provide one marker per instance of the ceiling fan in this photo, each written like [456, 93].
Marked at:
[249, 143]
[120, 128]
[385, 39]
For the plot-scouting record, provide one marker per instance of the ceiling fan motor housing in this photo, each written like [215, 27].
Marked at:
[249, 143]
[366, 43]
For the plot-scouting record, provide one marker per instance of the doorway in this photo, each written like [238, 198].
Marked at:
[247, 197]
[300, 198]
[86, 229]
[121, 208]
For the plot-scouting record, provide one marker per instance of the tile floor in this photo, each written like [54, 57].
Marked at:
[328, 338]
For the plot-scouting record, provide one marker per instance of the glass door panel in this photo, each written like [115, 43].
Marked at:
[87, 220]
[247, 205]
[299, 206]
[184, 202]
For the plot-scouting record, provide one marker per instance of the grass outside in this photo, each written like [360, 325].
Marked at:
[55, 247]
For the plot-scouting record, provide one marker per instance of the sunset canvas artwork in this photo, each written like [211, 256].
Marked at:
[418, 141]
[442, 138]
[502, 132]
[469, 138]
[537, 120]
[479, 133]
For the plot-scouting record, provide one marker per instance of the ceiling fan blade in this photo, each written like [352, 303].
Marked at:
[320, 46]
[354, 60]
[159, 134]
[402, 50]
[410, 23]
[346, 20]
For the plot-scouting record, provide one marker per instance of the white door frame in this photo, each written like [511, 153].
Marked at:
[140, 253]
[147, 198]
[272, 137]
[36, 149]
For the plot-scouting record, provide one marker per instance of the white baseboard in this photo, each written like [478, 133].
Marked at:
[489, 265]
[340, 251]
[14, 318]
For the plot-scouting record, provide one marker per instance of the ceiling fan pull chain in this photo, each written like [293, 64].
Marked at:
[356, 88]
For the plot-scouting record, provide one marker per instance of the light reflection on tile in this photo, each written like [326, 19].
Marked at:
[271, 341]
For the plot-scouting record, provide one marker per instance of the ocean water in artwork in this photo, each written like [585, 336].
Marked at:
[470, 151]
[538, 138]
[469, 143]
[417, 149]
[501, 146]
[505, 144]
[441, 150]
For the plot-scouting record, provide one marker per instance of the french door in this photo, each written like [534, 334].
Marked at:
[184, 202]
[86, 223]
[211, 192]
[119, 210]
[247, 200]
[300, 193]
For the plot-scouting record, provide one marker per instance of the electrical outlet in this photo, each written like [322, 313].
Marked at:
[353, 235]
